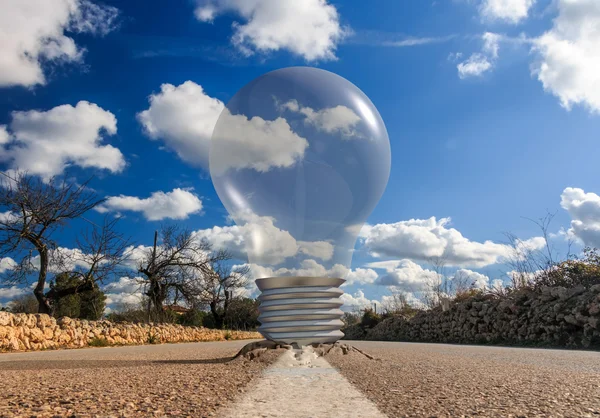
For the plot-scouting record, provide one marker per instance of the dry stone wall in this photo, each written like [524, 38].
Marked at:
[553, 317]
[20, 332]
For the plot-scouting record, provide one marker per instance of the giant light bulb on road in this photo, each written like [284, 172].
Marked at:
[299, 158]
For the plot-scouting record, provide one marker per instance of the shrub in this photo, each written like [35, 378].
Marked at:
[370, 319]
[467, 294]
[228, 335]
[98, 342]
[194, 318]
[571, 273]
[152, 338]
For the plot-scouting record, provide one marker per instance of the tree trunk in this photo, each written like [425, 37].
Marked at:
[216, 315]
[157, 295]
[44, 305]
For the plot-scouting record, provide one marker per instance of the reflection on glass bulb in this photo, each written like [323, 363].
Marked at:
[300, 157]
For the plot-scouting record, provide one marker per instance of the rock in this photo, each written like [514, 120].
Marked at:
[6, 319]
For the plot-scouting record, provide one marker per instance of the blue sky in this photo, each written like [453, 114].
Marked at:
[491, 108]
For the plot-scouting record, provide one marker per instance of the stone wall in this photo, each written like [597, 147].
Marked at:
[552, 317]
[19, 332]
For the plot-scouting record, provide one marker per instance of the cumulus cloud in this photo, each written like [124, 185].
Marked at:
[317, 249]
[33, 31]
[11, 292]
[408, 276]
[422, 239]
[357, 301]
[176, 204]
[312, 268]
[308, 28]
[360, 276]
[309, 268]
[475, 66]
[512, 11]
[481, 62]
[258, 144]
[125, 291]
[569, 56]
[584, 209]
[65, 259]
[339, 119]
[258, 238]
[183, 117]
[45, 143]
[6, 263]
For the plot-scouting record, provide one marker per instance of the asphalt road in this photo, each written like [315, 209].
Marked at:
[192, 380]
[198, 380]
[411, 379]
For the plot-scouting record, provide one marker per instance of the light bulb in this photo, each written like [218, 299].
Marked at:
[300, 158]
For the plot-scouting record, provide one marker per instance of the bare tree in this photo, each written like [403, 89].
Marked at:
[217, 288]
[31, 211]
[173, 268]
[461, 282]
[98, 257]
[437, 287]
[528, 262]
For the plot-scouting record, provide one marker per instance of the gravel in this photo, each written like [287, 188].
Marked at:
[192, 379]
[410, 379]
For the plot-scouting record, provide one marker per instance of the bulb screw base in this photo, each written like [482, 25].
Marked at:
[301, 310]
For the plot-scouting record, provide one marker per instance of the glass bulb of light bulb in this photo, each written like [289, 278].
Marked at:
[300, 158]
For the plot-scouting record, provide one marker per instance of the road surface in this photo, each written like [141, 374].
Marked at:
[196, 380]
[412, 379]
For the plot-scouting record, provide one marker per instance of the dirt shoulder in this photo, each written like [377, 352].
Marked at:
[411, 379]
[190, 379]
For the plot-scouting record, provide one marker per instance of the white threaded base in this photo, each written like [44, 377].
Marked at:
[300, 310]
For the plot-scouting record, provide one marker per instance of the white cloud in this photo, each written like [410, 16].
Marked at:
[318, 249]
[6, 263]
[497, 284]
[65, 259]
[357, 301]
[309, 268]
[239, 142]
[262, 241]
[491, 44]
[339, 119]
[312, 268]
[512, 11]
[183, 117]
[45, 143]
[11, 292]
[584, 209]
[408, 276]
[258, 238]
[569, 55]
[391, 301]
[475, 66]
[33, 31]
[308, 28]
[125, 291]
[481, 62]
[176, 204]
[421, 239]
[360, 276]
[5, 136]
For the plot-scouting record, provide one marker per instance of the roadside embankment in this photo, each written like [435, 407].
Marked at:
[24, 332]
[552, 317]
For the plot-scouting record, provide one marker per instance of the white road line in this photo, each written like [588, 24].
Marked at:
[301, 385]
